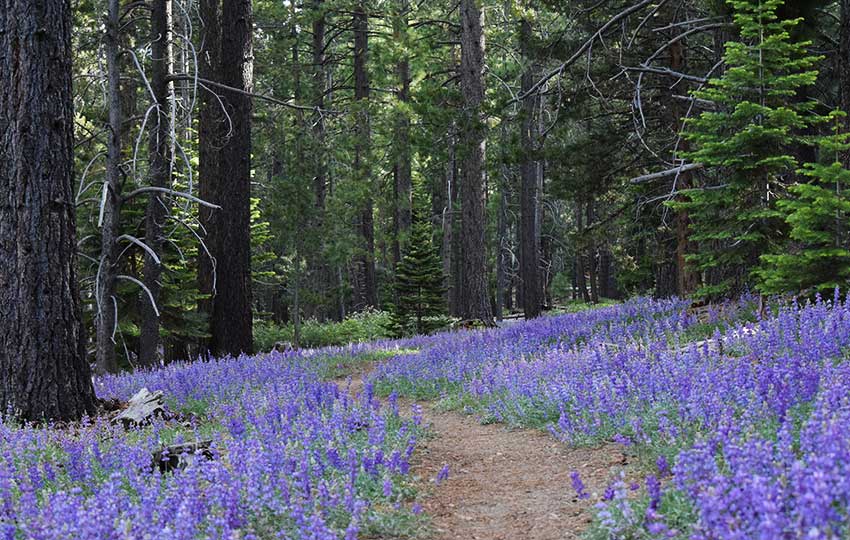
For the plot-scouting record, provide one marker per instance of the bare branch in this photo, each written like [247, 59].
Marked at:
[587, 44]
[142, 285]
[669, 172]
[134, 240]
[149, 189]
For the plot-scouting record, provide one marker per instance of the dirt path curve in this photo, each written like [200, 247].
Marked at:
[505, 484]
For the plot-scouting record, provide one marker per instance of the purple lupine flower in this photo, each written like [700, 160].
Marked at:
[578, 485]
[443, 474]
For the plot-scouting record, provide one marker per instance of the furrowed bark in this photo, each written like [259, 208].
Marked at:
[44, 373]
[232, 318]
[474, 298]
[366, 293]
[110, 219]
[160, 174]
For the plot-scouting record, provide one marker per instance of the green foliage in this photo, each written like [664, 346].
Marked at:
[420, 305]
[818, 214]
[363, 326]
[749, 139]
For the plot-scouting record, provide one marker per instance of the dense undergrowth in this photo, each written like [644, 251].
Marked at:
[359, 328]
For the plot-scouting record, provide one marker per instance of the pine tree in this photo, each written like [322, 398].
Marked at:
[420, 306]
[818, 214]
[749, 137]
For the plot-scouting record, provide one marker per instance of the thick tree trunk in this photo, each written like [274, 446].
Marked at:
[209, 142]
[366, 294]
[529, 172]
[232, 317]
[44, 373]
[403, 177]
[160, 175]
[110, 220]
[474, 298]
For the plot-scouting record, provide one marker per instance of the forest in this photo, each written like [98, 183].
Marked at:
[424, 269]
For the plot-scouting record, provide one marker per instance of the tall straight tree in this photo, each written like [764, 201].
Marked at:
[43, 369]
[474, 299]
[110, 218]
[226, 174]
[402, 171]
[160, 173]
[209, 126]
[366, 291]
[529, 227]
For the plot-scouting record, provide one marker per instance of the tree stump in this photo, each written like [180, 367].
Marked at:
[143, 406]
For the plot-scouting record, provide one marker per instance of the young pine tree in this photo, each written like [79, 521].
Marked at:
[420, 306]
[749, 140]
[818, 214]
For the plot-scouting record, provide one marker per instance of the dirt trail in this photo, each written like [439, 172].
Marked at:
[505, 484]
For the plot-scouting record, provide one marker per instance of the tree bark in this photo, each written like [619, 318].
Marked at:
[474, 298]
[403, 176]
[529, 169]
[43, 369]
[322, 284]
[110, 220]
[160, 174]
[209, 142]
[844, 68]
[232, 318]
[592, 257]
[366, 294]
[580, 276]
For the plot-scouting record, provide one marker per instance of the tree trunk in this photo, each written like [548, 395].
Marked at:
[474, 298]
[580, 276]
[44, 373]
[209, 141]
[160, 174]
[231, 321]
[844, 69]
[686, 277]
[110, 219]
[502, 253]
[529, 234]
[366, 294]
[592, 257]
[403, 182]
[322, 284]
[448, 223]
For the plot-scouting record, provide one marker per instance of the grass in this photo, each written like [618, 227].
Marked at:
[338, 367]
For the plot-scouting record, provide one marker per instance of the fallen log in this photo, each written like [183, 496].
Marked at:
[180, 456]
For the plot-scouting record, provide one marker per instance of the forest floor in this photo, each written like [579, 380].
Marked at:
[504, 483]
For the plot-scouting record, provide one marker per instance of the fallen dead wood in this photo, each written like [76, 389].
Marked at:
[180, 456]
[141, 409]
